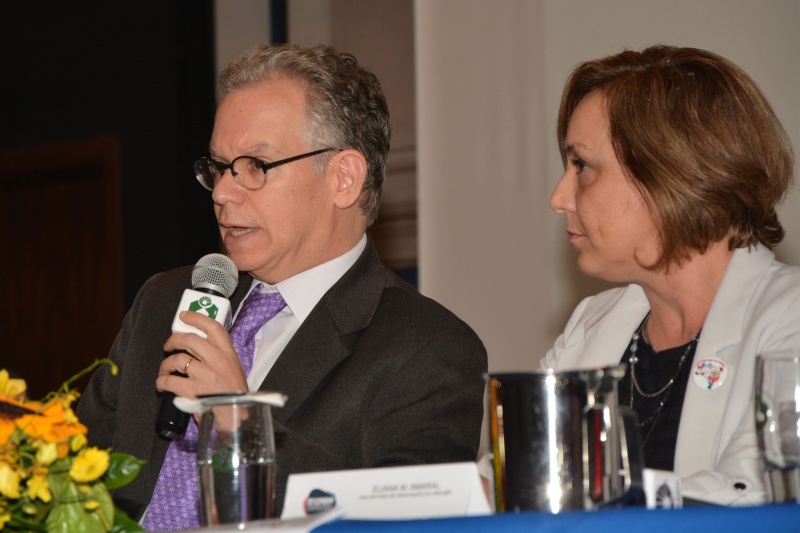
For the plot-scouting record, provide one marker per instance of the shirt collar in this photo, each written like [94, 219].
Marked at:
[303, 291]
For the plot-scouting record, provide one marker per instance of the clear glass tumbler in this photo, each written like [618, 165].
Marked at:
[236, 460]
[777, 414]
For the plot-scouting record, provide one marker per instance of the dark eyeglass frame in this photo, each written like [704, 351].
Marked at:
[263, 165]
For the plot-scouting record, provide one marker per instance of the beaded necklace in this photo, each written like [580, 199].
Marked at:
[666, 390]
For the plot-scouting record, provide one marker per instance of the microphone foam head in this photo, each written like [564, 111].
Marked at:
[215, 272]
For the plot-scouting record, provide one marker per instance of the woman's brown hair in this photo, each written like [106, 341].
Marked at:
[699, 139]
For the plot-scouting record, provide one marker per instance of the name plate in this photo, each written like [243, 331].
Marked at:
[662, 489]
[394, 493]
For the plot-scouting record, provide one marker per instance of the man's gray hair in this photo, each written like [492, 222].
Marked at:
[345, 104]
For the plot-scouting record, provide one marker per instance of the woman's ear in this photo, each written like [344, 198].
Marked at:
[350, 174]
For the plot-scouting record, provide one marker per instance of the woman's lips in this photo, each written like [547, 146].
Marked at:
[573, 236]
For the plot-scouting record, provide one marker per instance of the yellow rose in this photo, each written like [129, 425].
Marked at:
[4, 518]
[9, 481]
[38, 487]
[47, 453]
[89, 465]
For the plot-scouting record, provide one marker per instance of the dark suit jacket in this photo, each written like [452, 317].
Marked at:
[377, 375]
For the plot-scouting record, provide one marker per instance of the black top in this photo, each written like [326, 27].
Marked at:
[653, 372]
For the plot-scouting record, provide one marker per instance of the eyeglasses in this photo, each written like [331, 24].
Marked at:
[248, 171]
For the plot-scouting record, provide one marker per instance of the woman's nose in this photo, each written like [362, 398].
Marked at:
[563, 197]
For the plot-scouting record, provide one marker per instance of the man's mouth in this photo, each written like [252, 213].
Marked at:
[237, 232]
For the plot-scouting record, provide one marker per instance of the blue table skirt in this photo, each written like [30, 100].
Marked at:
[768, 518]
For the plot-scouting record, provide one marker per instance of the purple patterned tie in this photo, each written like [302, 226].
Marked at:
[257, 310]
[176, 499]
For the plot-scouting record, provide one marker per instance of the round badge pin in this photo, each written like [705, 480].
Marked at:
[710, 373]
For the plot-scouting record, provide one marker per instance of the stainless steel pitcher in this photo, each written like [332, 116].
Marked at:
[560, 440]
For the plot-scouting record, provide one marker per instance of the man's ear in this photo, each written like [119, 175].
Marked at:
[350, 173]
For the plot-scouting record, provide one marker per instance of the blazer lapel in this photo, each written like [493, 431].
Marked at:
[242, 288]
[606, 337]
[720, 340]
[328, 334]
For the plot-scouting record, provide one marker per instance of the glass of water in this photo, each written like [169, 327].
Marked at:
[236, 460]
[778, 422]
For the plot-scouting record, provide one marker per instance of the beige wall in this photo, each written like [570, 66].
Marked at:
[238, 26]
[483, 228]
[489, 78]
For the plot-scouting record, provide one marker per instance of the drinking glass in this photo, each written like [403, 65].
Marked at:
[778, 423]
[236, 460]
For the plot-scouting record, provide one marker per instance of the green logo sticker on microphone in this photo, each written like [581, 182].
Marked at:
[206, 306]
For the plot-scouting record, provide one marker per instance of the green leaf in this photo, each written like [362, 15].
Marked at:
[60, 482]
[123, 524]
[106, 510]
[72, 518]
[122, 469]
[68, 514]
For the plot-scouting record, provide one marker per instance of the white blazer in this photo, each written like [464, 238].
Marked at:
[755, 310]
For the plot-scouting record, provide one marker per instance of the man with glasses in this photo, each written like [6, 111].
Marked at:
[376, 374]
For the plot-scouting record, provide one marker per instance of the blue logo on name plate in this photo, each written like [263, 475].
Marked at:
[319, 501]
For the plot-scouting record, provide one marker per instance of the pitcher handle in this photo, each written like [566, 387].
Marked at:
[632, 458]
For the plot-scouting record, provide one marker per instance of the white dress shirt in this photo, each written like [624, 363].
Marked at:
[301, 293]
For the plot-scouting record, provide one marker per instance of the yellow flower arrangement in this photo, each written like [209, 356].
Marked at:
[50, 479]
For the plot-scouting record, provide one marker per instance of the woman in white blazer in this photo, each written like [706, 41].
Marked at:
[674, 165]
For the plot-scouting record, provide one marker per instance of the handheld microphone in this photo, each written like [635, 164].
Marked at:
[214, 278]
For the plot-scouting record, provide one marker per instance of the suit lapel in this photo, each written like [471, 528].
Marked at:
[720, 339]
[243, 287]
[312, 353]
[606, 337]
[328, 334]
